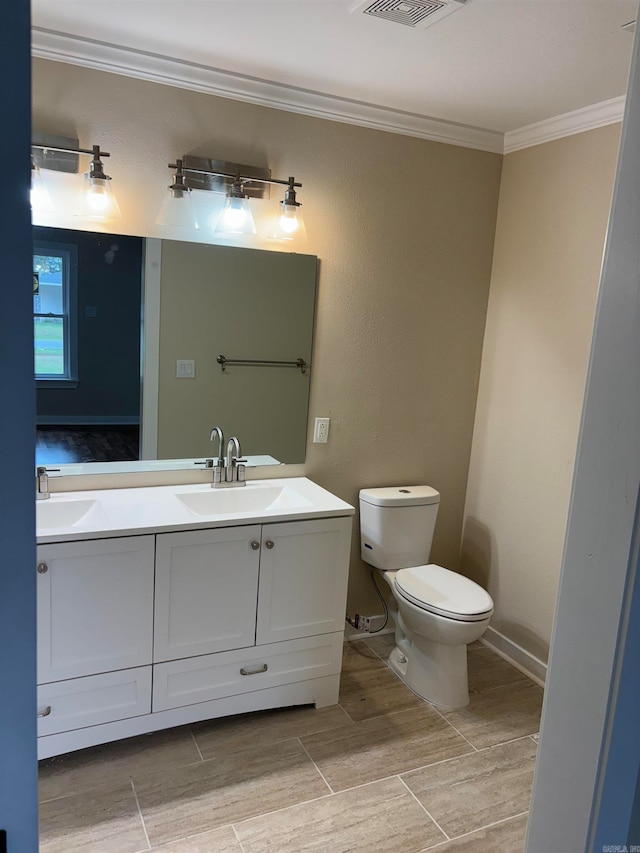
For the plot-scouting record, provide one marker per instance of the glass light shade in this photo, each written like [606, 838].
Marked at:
[236, 217]
[97, 200]
[177, 210]
[288, 224]
[40, 198]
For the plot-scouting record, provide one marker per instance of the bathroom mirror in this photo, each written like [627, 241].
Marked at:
[129, 331]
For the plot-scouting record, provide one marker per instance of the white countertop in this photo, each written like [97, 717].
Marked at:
[104, 513]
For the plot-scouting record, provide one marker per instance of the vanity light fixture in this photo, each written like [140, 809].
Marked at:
[289, 225]
[96, 200]
[40, 197]
[236, 216]
[241, 184]
[177, 209]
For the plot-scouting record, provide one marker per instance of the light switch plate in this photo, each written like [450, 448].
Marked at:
[185, 368]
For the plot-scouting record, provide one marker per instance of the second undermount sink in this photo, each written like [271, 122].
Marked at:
[251, 498]
[57, 512]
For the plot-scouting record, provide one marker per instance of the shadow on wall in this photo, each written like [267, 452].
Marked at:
[477, 556]
[476, 553]
[532, 643]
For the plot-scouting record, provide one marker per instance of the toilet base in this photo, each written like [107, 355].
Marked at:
[436, 672]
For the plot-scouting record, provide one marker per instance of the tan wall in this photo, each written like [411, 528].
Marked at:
[552, 219]
[243, 304]
[404, 231]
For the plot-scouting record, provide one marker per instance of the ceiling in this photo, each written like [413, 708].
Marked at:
[499, 65]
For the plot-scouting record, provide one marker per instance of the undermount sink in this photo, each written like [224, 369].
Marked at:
[244, 499]
[67, 513]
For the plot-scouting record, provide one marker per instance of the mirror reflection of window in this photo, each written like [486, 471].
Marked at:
[169, 302]
[54, 316]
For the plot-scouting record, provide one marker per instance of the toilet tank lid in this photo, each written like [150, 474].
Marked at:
[400, 496]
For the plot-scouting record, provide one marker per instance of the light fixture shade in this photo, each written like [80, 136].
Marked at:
[236, 218]
[40, 198]
[288, 224]
[97, 201]
[178, 210]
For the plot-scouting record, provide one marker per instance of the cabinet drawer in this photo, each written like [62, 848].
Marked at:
[80, 702]
[201, 679]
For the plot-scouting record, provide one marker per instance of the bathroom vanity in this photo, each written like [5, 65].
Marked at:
[167, 605]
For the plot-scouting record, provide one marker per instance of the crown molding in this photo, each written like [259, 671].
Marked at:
[143, 65]
[103, 56]
[577, 121]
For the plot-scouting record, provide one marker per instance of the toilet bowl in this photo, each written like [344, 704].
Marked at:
[436, 612]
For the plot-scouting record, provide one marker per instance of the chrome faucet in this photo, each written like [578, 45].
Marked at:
[42, 482]
[218, 463]
[234, 472]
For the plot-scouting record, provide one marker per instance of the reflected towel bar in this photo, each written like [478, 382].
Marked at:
[299, 362]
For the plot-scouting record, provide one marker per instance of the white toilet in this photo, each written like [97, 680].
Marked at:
[436, 611]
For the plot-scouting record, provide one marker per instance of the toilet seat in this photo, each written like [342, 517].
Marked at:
[446, 593]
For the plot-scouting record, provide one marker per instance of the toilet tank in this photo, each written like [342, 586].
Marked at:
[397, 524]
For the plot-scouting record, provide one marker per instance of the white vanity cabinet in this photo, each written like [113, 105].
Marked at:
[303, 584]
[95, 629]
[248, 589]
[144, 632]
[95, 606]
[206, 591]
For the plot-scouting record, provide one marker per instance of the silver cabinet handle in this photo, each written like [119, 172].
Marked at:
[255, 545]
[263, 668]
[44, 713]
[269, 544]
[42, 568]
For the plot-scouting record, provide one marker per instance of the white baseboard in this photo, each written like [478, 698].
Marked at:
[87, 420]
[514, 654]
[523, 660]
[351, 633]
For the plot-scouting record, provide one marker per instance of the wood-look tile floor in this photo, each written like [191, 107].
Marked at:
[383, 770]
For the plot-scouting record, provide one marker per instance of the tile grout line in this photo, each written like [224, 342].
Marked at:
[196, 744]
[523, 682]
[425, 809]
[348, 715]
[463, 755]
[277, 810]
[473, 831]
[235, 832]
[144, 827]
[385, 661]
[440, 714]
[316, 766]
[504, 743]
[327, 796]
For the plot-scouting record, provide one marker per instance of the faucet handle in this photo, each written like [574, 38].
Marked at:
[208, 463]
[42, 481]
[42, 470]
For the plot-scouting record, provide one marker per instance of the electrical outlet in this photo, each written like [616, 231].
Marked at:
[367, 624]
[321, 431]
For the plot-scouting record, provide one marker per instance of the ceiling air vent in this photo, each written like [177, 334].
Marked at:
[416, 14]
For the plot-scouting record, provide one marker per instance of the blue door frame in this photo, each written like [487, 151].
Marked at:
[18, 766]
[617, 804]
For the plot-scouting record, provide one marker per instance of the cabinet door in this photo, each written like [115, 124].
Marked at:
[304, 568]
[95, 606]
[206, 591]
